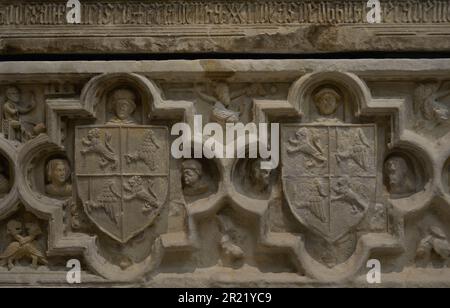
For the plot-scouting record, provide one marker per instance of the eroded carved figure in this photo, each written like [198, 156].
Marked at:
[434, 244]
[193, 183]
[221, 98]
[231, 252]
[427, 101]
[327, 101]
[58, 177]
[400, 180]
[123, 104]
[258, 178]
[12, 124]
[24, 244]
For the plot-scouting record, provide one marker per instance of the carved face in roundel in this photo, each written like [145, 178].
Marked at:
[57, 172]
[192, 172]
[13, 94]
[327, 101]
[261, 176]
[396, 171]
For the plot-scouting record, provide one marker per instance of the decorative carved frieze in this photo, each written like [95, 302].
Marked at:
[364, 172]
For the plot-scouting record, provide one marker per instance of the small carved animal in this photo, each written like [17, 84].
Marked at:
[137, 190]
[93, 145]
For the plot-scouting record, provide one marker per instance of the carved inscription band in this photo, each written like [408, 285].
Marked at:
[162, 13]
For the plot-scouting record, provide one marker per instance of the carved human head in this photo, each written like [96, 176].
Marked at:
[327, 101]
[123, 103]
[192, 172]
[396, 170]
[259, 176]
[13, 94]
[58, 171]
[33, 228]
[14, 227]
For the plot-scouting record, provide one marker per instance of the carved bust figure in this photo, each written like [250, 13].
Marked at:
[123, 104]
[327, 101]
[193, 184]
[4, 182]
[58, 174]
[259, 178]
[400, 180]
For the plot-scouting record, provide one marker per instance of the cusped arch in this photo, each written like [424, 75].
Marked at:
[351, 84]
[97, 87]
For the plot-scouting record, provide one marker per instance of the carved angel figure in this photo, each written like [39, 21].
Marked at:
[23, 246]
[308, 143]
[141, 190]
[222, 98]
[93, 145]
[106, 201]
[427, 101]
[145, 152]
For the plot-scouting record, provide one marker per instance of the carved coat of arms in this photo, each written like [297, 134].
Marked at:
[122, 176]
[329, 175]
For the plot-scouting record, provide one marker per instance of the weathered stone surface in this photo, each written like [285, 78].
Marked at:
[288, 26]
[86, 173]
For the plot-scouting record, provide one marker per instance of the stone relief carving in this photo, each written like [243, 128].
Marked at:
[427, 102]
[253, 181]
[329, 193]
[23, 244]
[93, 144]
[400, 176]
[193, 183]
[225, 109]
[12, 110]
[58, 178]
[327, 101]
[123, 106]
[434, 245]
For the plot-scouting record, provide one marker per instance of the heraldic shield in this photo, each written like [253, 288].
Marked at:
[329, 175]
[122, 176]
